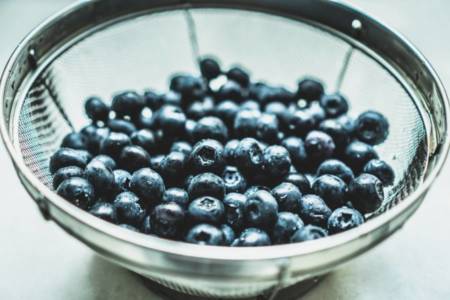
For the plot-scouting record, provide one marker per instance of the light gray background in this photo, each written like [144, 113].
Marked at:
[40, 261]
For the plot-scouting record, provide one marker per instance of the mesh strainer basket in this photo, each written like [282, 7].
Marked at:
[101, 47]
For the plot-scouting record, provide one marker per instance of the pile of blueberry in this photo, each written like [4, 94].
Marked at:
[244, 164]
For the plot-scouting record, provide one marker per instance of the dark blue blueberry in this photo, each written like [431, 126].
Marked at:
[210, 128]
[182, 147]
[296, 148]
[249, 156]
[144, 138]
[96, 109]
[205, 234]
[188, 86]
[173, 168]
[101, 177]
[155, 162]
[348, 123]
[207, 156]
[152, 100]
[66, 173]
[114, 143]
[319, 146]
[167, 220]
[148, 185]
[366, 193]
[246, 123]
[77, 191]
[266, 94]
[108, 161]
[334, 105]
[127, 103]
[94, 136]
[120, 125]
[301, 122]
[129, 227]
[171, 98]
[252, 237]
[275, 108]
[337, 168]
[226, 110]
[358, 154]
[228, 234]
[267, 128]
[381, 170]
[229, 151]
[200, 108]
[286, 225]
[177, 195]
[254, 188]
[308, 233]
[234, 181]
[277, 162]
[316, 111]
[340, 134]
[238, 75]
[121, 180]
[371, 127]
[234, 204]
[300, 181]
[314, 210]
[261, 210]
[172, 120]
[230, 90]
[332, 189]
[75, 140]
[134, 158]
[105, 211]
[206, 184]
[343, 219]
[66, 157]
[310, 89]
[210, 68]
[288, 197]
[250, 105]
[163, 141]
[145, 120]
[146, 226]
[206, 210]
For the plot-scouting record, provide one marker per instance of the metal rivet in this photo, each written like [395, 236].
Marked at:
[32, 58]
[356, 27]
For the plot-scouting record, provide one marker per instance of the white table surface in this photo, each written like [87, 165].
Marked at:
[40, 261]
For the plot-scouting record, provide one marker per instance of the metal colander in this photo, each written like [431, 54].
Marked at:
[101, 47]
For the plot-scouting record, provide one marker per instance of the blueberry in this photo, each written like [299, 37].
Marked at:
[205, 234]
[343, 219]
[177, 195]
[94, 136]
[210, 128]
[313, 210]
[167, 220]
[172, 120]
[189, 87]
[357, 155]
[75, 140]
[129, 227]
[381, 170]
[114, 143]
[145, 120]
[276, 108]
[66, 173]
[340, 135]
[121, 180]
[300, 181]
[286, 225]
[226, 110]
[234, 181]
[105, 211]
[254, 188]
[337, 168]
[155, 162]
[288, 197]
[310, 89]
[230, 90]
[96, 109]
[210, 68]
[120, 125]
[250, 105]
[234, 204]
[134, 158]
[366, 193]
[101, 177]
[332, 189]
[246, 123]
[261, 210]
[296, 148]
[371, 127]
[301, 122]
[189, 129]
[238, 75]
[267, 128]
[249, 156]
[148, 185]
[152, 99]
[171, 98]
[173, 168]
[252, 237]
[206, 210]
[316, 111]
[229, 151]
[77, 191]
[146, 226]
[145, 139]
[206, 184]
[207, 156]
[347, 122]
[108, 161]
[319, 146]
[127, 103]
[182, 147]
[66, 157]
[200, 108]
[266, 94]
[276, 162]
[228, 234]
[334, 105]
[308, 233]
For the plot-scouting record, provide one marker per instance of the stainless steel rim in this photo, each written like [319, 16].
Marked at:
[284, 8]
